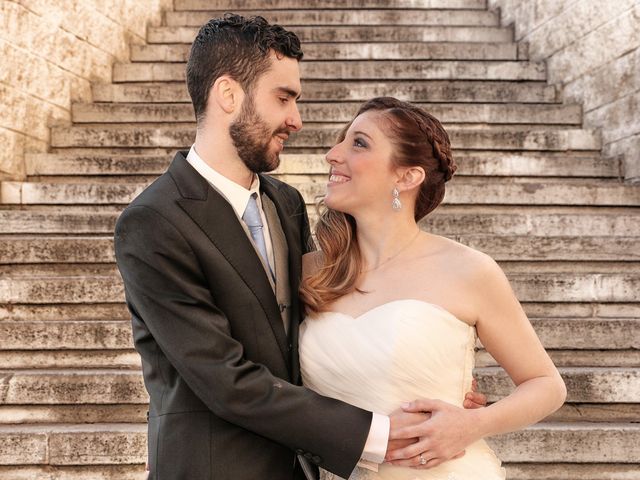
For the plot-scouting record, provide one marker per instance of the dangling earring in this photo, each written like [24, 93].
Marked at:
[396, 204]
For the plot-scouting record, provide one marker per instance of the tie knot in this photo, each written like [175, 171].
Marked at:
[251, 214]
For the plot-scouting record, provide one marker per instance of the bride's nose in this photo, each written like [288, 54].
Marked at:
[333, 155]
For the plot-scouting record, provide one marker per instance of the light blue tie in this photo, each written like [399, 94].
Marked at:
[253, 220]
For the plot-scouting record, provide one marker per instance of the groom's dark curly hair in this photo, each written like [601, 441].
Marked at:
[238, 47]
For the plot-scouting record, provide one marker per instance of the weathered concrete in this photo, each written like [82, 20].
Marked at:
[586, 384]
[570, 443]
[37, 249]
[479, 163]
[346, 34]
[91, 472]
[362, 90]
[47, 414]
[344, 17]
[448, 113]
[593, 51]
[361, 70]
[358, 51]
[69, 44]
[242, 5]
[180, 136]
[90, 335]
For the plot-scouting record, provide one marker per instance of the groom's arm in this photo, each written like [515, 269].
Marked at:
[165, 287]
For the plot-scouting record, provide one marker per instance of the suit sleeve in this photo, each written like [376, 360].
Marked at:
[165, 287]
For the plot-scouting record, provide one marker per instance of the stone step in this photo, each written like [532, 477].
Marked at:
[118, 311]
[34, 414]
[345, 17]
[575, 336]
[463, 191]
[455, 91]
[180, 136]
[357, 51]
[579, 442]
[125, 413]
[126, 444]
[612, 286]
[242, 5]
[110, 386]
[43, 249]
[573, 358]
[596, 412]
[17, 249]
[91, 472]
[479, 163]
[361, 70]
[72, 444]
[347, 34]
[130, 360]
[70, 359]
[62, 221]
[447, 220]
[447, 113]
[584, 384]
[73, 335]
[572, 471]
[62, 289]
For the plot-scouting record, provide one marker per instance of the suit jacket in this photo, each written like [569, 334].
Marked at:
[222, 374]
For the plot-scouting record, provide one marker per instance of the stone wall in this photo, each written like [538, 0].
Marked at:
[50, 51]
[592, 49]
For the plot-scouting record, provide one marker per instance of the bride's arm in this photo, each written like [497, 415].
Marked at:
[508, 336]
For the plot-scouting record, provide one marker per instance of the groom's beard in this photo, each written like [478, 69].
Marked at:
[251, 136]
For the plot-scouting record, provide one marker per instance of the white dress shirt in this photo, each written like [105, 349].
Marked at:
[238, 196]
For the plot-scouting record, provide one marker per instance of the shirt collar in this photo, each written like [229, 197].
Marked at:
[236, 194]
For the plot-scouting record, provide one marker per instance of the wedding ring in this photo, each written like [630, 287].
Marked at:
[423, 460]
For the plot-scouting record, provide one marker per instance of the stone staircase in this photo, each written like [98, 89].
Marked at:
[532, 191]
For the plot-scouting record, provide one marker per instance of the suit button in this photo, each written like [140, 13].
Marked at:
[290, 347]
[316, 459]
[299, 451]
[308, 455]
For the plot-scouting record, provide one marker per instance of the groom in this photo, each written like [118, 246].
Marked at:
[210, 255]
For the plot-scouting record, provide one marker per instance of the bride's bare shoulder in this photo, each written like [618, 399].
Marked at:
[470, 260]
[311, 262]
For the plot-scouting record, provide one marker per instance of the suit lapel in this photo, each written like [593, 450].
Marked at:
[213, 214]
[294, 246]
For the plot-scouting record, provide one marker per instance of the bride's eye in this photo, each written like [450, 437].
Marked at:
[360, 143]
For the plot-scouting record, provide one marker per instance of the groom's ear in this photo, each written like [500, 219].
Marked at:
[410, 178]
[227, 94]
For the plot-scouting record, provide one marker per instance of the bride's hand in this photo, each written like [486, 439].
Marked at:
[399, 419]
[442, 437]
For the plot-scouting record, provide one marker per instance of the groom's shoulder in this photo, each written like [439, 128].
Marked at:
[164, 190]
[291, 194]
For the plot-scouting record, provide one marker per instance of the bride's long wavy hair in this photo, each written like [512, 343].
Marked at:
[419, 140]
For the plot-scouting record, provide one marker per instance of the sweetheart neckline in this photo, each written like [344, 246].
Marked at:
[391, 302]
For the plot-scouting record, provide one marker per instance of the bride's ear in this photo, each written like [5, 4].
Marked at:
[410, 178]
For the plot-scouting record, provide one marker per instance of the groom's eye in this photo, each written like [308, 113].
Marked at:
[284, 99]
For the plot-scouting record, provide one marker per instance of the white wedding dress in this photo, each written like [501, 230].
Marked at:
[393, 353]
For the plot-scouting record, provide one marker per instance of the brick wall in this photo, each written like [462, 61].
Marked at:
[592, 49]
[50, 51]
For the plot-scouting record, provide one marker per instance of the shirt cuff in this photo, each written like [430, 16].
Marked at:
[375, 447]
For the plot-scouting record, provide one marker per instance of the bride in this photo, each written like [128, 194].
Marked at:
[393, 312]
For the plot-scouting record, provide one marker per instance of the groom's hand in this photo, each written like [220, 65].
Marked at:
[399, 419]
[474, 399]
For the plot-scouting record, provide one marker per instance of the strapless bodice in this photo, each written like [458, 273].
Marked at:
[396, 352]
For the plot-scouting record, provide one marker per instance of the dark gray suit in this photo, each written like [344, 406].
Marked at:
[221, 372]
